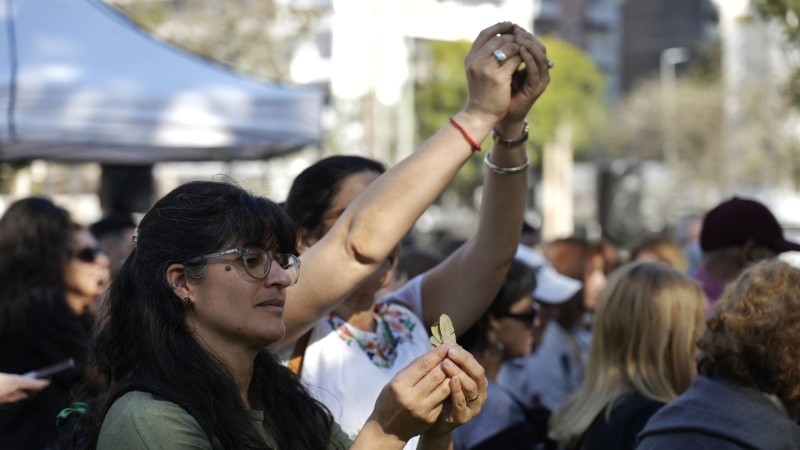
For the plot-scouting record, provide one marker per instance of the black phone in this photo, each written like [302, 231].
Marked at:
[49, 371]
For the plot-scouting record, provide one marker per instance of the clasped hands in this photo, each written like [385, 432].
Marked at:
[505, 90]
[436, 393]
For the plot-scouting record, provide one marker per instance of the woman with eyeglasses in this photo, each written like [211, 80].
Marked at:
[182, 334]
[50, 276]
[509, 329]
[358, 238]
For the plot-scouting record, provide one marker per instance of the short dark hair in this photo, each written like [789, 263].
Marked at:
[312, 191]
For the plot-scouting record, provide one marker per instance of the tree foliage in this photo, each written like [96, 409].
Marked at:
[639, 119]
[709, 152]
[441, 87]
[441, 91]
[787, 14]
[252, 36]
[640, 125]
[576, 94]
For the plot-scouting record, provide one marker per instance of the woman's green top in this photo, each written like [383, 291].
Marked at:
[138, 420]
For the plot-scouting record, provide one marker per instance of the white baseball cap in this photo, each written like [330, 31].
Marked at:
[551, 287]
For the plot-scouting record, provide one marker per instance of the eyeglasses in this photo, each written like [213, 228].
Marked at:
[86, 254]
[258, 262]
[527, 317]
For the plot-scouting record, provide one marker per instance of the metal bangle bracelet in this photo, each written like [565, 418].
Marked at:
[511, 143]
[506, 170]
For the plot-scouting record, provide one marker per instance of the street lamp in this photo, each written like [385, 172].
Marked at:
[669, 59]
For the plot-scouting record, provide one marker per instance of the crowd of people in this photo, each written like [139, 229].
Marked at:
[223, 319]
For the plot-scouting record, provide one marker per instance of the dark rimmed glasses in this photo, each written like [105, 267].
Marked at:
[258, 262]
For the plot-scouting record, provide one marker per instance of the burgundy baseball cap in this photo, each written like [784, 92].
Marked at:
[734, 222]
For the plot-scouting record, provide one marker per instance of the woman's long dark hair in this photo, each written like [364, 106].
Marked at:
[312, 191]
[143, 337]
[34, 250]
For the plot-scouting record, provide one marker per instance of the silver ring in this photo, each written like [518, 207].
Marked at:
[499, 56]
[550, 64]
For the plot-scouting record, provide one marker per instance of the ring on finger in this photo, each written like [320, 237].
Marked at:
[499, 56]
[473, 398]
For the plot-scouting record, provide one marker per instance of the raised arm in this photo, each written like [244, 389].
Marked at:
[464, 285]
[367, 231]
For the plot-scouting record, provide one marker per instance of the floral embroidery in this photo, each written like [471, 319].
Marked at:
[394, 327]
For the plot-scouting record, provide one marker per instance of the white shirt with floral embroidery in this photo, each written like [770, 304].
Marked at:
[345, 368]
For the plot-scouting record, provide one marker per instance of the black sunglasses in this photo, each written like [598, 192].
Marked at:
[527, 317]
[86, 254]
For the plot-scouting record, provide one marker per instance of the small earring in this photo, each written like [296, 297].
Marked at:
[173, 286]
[496, 349]
[187, 302]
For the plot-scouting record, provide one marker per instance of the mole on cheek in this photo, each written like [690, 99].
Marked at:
[227, 268]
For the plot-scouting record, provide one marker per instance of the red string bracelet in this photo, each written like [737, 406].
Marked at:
[472, 144]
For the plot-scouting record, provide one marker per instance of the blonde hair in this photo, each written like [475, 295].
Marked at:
[663, 249]
[647, 321]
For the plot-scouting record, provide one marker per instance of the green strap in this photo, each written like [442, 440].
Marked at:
[78, 408]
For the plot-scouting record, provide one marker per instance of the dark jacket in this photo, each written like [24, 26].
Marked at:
[51, 334]
[720, 414]
[629, 415]
[504, 423]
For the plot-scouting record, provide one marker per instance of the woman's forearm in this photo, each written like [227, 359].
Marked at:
[372, 436]
[370, 228]
[465, 284]
[401, 195]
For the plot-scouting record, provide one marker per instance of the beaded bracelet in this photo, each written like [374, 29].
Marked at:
[511, 142]
[505, 170]
[476, 147]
